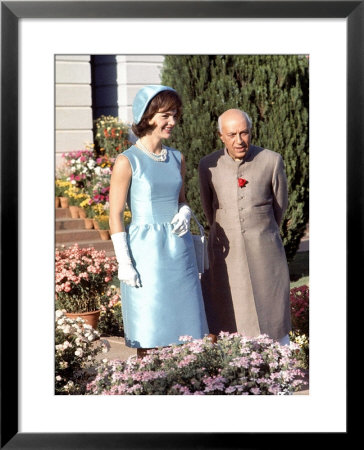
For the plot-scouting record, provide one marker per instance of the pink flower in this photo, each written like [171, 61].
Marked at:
[255, 391]
[185, 338]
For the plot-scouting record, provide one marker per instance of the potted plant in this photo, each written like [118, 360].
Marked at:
[75, 197]
[80, 165]
[127, 215]
[61, 187]
[83, 276]
[86, 206]
[58, 194]
[103, 226]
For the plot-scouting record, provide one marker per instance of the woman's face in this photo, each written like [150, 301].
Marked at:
[164, 122]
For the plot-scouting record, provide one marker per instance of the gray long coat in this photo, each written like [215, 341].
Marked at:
[246, 288]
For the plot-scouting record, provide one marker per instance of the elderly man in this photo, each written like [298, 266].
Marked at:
[244, 196]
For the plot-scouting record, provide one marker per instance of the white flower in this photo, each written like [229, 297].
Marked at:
[79, 352]
[58, 378]
[66, 329]
[59, 314]
[69, 385]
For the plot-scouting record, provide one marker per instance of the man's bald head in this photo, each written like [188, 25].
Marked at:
[231, 114]
[234, 131]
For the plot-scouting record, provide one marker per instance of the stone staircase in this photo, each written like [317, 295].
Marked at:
[70, 231]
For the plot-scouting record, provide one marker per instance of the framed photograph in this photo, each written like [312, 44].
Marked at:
[31, 34]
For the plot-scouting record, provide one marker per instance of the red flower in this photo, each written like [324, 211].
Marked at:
[241, 182]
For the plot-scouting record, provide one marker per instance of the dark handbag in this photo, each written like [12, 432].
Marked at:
[200, 244]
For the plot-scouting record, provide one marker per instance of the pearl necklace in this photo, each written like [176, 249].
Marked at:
[161, 157]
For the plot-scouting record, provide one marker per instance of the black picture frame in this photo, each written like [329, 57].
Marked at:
[11, 12]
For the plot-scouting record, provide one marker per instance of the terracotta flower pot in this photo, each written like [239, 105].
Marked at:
[58, 202]
[74, 212]
[92, 317]
[89, 223]
[64, 202]
[81, 212]
[104, 234]
[96, 225]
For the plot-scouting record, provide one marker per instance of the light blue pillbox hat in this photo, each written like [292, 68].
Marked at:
[144, 96]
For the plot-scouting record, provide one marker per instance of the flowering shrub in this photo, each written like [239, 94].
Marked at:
[110, 135]
[299, 298]
[86, 205]
[104, 161]
[235, 365]
[103, 222]
[303, 343]
[83, 275]
[127, 216]
[100, 189]
[75, 195]
[111, 321]
[74, 353]
[61, 187]
[81, 165]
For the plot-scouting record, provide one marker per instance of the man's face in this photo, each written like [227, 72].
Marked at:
[235, 133]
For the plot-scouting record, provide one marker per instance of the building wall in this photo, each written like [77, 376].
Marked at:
[133, 72]
[88, 86]
[73, 103]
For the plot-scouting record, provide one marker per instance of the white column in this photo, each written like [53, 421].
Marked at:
[133, 72]
[73, 100]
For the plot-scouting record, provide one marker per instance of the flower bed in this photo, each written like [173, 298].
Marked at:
[111, 319]
[234, 366]
[75, 352]
[299, 335]
[83, 277]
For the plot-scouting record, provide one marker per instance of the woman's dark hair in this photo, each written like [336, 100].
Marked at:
[164, 101]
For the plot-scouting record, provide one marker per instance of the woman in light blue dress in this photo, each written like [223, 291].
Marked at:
[160, 286]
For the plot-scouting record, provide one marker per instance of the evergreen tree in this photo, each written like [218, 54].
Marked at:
[273, 90]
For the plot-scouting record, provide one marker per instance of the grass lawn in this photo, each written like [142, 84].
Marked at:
[298, 269]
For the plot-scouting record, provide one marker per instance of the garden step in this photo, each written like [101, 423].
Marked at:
[76, 236]
[67, 223]
[97, 244]
[62, 212]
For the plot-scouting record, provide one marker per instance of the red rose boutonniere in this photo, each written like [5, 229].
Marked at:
[242, 182]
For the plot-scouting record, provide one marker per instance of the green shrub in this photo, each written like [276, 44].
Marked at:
[273, 90]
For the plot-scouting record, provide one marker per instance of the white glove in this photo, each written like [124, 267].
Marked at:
[126, 273]
[181, 221]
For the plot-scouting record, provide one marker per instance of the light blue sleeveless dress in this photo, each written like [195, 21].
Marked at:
[169, 303]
